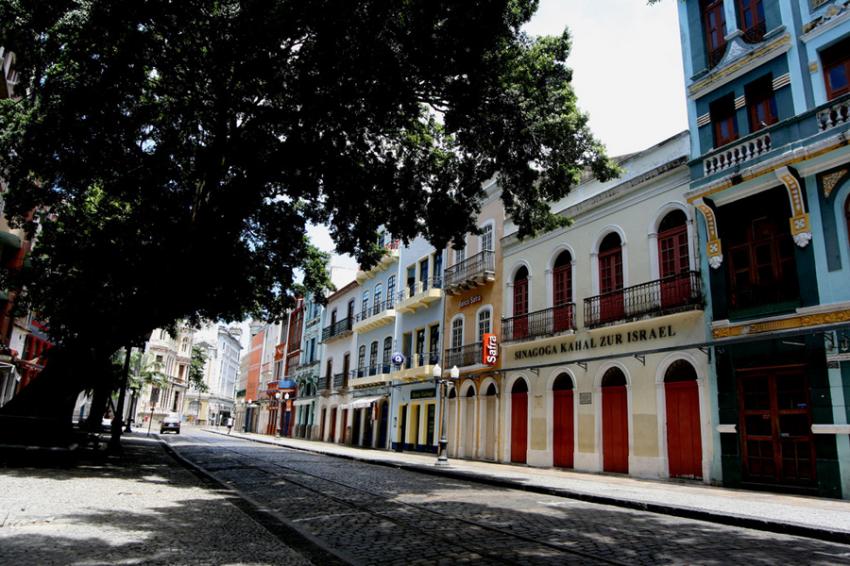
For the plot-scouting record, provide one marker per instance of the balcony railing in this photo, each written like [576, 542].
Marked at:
[419, 287]
[336, 328]
[375, 369]
[420, 359]
[737, 154]
[472, 270]
[544, 322]
[375, 310]
[461, 356]
[662, 296]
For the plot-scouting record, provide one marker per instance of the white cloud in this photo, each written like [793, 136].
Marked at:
[627, 67]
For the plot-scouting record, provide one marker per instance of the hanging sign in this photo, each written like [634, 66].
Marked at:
[398, 359]
[490, 350]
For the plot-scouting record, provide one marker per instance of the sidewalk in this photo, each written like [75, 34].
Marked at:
[826, 519]
[140, 508]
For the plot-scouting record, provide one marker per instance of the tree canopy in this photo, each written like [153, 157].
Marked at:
[174, 153]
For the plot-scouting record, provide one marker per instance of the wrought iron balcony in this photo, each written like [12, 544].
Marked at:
[471, 272]
[419, 294]
[390, 255]
[546, 322]
[421, 359]
[461, 356]
[375, 316]
[654, 298]
[336, 329]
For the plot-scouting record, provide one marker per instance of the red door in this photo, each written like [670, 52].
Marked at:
[674, 267]
[519, 427]
[684, 446]
[563, 429]
[615, 429]
[562, 296]
[520, 308]
[611, 285]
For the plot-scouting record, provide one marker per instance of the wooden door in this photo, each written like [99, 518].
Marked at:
[561, 298]
[520, 308]
[322, 424]
[332, 436]
[519, 427]
[562, 434]
[610, 285]
[684, 444]
[776, 426]
[343, 427]
[402, 438]
[674, 267]
[615, 429]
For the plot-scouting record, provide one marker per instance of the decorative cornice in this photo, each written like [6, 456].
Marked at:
[802, 321]
[834, 16]
[831, 180]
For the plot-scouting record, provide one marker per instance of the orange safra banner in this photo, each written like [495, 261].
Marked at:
[490, 350]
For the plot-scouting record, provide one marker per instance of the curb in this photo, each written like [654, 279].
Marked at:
[778, 527]
[293, 537]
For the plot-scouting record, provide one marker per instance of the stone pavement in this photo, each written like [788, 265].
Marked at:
[826, 519]
[143, 508]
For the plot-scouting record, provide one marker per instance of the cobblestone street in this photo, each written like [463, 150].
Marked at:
[373, 514]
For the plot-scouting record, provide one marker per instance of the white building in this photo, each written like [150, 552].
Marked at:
[221, 345]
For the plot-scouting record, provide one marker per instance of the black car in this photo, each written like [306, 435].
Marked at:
[170, 423]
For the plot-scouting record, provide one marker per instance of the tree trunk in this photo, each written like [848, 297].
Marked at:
[41, 413]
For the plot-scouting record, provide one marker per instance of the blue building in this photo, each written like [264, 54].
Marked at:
[768, 87]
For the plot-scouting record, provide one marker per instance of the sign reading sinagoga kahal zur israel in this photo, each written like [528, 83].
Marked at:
[582, 344]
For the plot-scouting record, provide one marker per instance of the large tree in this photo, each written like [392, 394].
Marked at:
[174, 152]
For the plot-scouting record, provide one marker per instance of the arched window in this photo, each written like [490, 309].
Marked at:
[673, 245]
[486, 238]
[520, 303]
[562, 383]
[391, 288]
[373, 357]
[379, 297]
[365, 306]
[484, 323]
[614, 377]
[491, 390]
[611, 279]
[520, 386]
[470, 392]
[388, 352]
[562, 292]
[680, 370]
[452, 393]
[361, 360]
[457, 332]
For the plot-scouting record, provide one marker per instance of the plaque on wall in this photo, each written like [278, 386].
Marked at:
[585, 398]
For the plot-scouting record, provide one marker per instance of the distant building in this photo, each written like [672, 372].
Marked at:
[221, 345]
[171, 356]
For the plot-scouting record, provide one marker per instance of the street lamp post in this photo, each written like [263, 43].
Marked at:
[280, 409]
[286, 415]
[443, 456]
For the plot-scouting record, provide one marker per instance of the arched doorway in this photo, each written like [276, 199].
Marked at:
[520, 302]
[684, 444]
[674, 259]
[562, 292]
[468, 417]
[562, 422]
[488, 436]
[452, 407]
[519, 422]
[615, 422]
[611, 279]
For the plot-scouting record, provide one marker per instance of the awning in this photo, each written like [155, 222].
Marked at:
[9, 239]
[364, 402]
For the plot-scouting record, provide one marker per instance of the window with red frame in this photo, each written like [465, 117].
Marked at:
[714, 26]
[562, 292]
[761, 103]
[751, 14]
[836, 69]
[725, 125]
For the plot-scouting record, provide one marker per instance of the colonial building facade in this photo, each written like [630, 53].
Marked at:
[768, 104]
[601, 326]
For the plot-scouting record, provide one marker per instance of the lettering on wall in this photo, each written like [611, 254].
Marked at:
[469, 301]
[490, 351]
[594, 342]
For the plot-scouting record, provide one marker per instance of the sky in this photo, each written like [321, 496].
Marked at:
[627, 74]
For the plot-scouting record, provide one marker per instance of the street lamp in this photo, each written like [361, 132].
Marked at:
[454, 374]
[279, 408]
[286, 419]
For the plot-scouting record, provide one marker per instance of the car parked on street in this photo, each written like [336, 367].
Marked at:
[171, 423]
